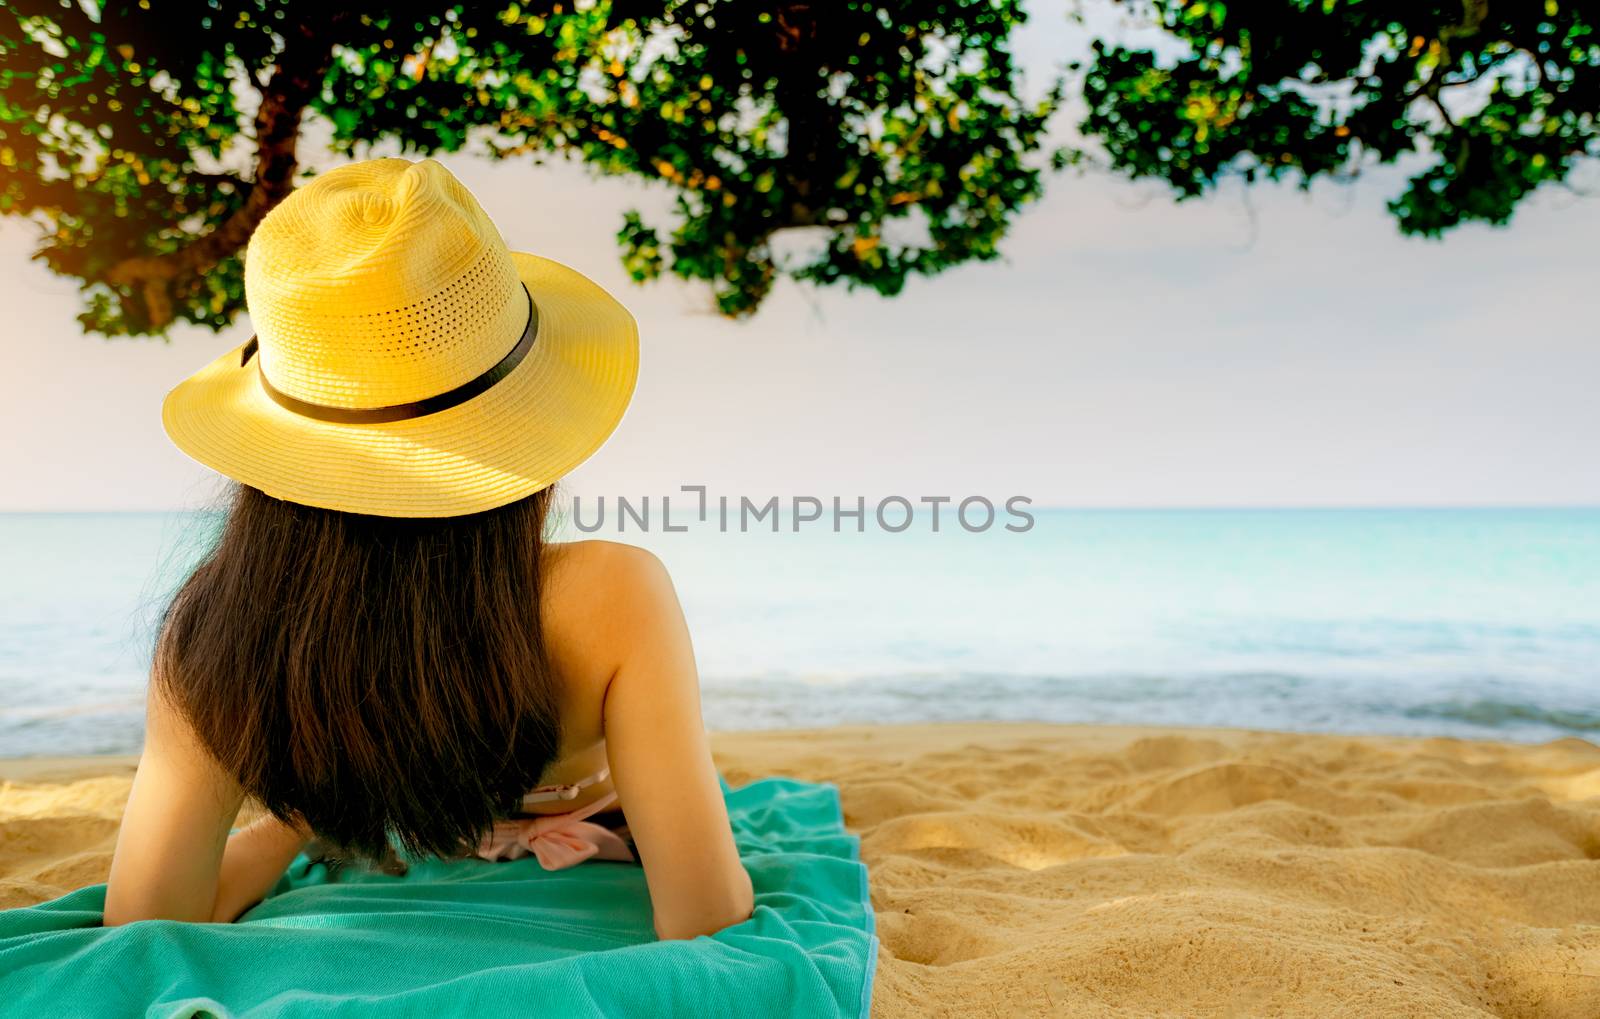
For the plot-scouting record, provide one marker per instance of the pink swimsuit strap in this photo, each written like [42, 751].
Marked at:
[558, 841]
[570, 791]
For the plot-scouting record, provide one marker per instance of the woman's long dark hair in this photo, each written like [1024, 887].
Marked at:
[371, 677]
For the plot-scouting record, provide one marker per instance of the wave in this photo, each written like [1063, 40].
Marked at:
[1499, 714]
[1521, 709]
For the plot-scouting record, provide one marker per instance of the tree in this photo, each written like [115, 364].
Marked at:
[1501, 98]
[149, 138]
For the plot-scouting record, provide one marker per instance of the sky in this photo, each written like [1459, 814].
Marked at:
[1269, 348]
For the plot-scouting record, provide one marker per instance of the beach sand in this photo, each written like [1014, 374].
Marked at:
[1023, 870]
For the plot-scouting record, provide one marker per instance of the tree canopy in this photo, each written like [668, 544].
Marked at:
[1500, 98]
[149, 138]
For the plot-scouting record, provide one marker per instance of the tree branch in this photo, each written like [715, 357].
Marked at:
[296, 79]
[1473, 14]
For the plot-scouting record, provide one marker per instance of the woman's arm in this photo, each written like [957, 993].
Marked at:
[661, 761]
[169, 849]
[174, 858]
[256, 856]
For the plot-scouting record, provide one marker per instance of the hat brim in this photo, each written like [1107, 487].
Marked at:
[521, 435]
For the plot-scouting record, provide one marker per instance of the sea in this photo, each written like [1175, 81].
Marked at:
[1476, 623]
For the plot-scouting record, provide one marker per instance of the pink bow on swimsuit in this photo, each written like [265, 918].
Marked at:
[558, 840]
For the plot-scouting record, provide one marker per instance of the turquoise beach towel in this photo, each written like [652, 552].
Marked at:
[468, 937]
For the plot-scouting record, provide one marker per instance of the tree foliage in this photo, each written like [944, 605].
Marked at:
[149, 138]
[1502, 98]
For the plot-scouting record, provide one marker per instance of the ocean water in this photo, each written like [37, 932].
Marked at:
[1475, 623]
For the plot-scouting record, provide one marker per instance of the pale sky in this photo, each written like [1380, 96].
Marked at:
[1269, 349]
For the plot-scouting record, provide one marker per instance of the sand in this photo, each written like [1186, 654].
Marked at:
[1023, 870]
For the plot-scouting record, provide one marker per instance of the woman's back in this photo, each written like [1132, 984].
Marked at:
[627, 700]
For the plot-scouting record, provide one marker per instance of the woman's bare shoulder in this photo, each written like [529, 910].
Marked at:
[597, 595]
[580, 570]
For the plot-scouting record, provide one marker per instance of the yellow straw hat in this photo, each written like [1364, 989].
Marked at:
[405, 363]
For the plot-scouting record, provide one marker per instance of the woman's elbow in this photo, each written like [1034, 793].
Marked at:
[121, 909]
[117, 914]
[734, 906]
[124, 907]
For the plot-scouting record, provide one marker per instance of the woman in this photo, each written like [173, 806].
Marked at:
[382, 650]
